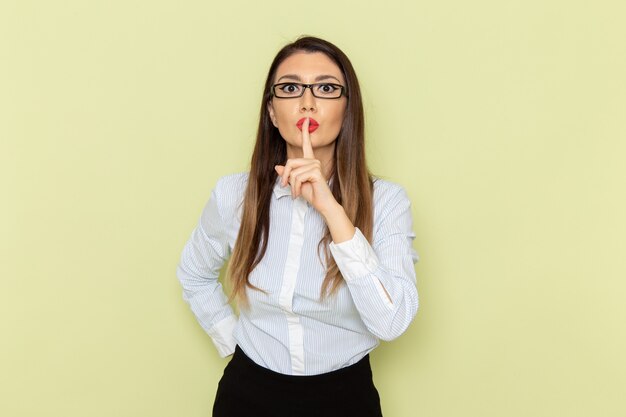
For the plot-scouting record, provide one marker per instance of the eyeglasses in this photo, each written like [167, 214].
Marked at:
[319, 90]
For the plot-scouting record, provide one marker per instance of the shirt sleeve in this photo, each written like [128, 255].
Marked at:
[202, 258]
[381, 276]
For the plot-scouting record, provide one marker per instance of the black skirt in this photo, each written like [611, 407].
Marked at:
[250, 390]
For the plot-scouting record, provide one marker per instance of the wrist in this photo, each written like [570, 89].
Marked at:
[339, 225]
[333, 211]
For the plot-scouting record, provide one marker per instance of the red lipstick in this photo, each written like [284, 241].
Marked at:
[313, 125]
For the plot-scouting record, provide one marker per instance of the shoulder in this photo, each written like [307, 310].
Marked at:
[386, 192]
[390, 199]
[229, 192]
[232, 182]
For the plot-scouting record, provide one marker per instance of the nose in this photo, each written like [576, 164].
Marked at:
[307, 101]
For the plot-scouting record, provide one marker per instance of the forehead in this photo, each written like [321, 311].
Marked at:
[308, 66]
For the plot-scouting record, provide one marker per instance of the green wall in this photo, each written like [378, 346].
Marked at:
[504, 120]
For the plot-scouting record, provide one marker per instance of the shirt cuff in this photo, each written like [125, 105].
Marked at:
[355, 257]
[222, 336]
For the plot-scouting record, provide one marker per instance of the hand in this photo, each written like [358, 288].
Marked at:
[305, 176]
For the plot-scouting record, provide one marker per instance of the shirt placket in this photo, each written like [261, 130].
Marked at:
[292, 266]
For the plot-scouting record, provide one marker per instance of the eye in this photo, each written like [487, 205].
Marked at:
[327, 88]
[290, 88]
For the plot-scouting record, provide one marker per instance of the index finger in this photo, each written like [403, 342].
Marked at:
[307, 147]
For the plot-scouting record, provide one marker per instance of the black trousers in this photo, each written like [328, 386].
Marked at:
[250, 390]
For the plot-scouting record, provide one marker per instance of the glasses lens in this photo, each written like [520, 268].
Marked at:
[327, 90]
[287, 90]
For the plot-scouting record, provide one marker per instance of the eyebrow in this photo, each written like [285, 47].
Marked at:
[318, 78]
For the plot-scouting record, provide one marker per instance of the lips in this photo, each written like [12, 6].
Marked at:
[313, 125]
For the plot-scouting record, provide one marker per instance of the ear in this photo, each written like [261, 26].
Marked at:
[270, 109]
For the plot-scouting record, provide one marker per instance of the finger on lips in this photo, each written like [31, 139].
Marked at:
[297, 166]
[307, 148]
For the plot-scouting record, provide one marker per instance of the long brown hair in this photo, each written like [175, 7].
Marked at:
[351, 183]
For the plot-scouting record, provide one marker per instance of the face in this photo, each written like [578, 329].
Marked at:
[308, 68]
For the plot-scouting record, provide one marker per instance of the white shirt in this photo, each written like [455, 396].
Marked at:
[288, 330]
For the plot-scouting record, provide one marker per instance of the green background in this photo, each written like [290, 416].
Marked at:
[504, 120]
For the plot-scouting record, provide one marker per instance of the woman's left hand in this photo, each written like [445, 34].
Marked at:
[305, 176]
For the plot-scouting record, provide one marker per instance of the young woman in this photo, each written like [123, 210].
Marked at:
[322, 264]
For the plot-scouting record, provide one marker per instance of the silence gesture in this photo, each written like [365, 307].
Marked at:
[305, 176]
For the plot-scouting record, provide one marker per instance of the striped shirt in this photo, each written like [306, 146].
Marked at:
[288, 330]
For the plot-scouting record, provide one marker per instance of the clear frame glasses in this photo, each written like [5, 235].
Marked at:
[319, 90]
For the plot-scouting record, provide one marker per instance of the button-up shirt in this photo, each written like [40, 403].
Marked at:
[288, 329]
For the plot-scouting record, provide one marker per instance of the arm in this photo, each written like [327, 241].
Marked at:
[198, 270]
[381, 276]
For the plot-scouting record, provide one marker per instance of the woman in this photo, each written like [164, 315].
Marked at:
[322, 259]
